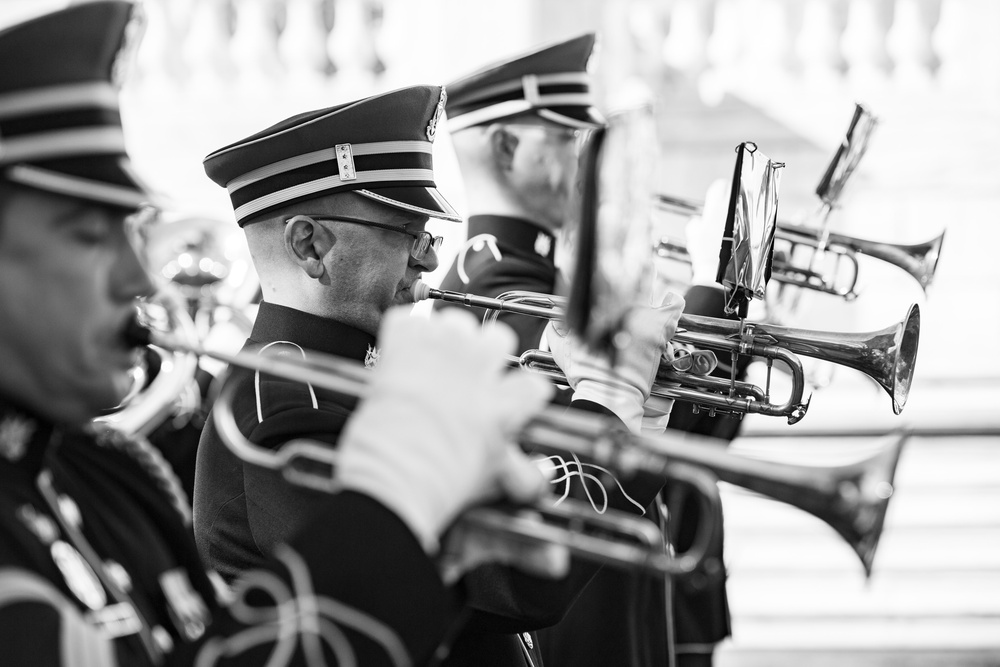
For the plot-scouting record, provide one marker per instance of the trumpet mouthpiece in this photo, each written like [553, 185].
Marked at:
[420, 290]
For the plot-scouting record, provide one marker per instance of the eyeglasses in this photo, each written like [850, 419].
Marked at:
[422, 241]
[563, 132]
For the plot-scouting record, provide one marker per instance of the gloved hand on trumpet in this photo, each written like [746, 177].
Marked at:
[623, 384]
[451, 447]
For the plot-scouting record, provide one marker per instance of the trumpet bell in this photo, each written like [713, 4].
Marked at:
[887, 356]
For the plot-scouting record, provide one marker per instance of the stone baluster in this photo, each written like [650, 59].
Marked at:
[303, 44]
[206, 50]
[725, 49]
[864, 44]
[394, 53]
[352, 49]
[254, 45]
[965, 40]
[818, 43]
[772, 41]
[158, 64]
[376, 20]
[686, 45]
[631, 47]
[909, 42]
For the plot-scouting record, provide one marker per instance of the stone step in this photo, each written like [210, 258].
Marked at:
[895, 595]
[980, 635]
[934, 508]
[822, 550]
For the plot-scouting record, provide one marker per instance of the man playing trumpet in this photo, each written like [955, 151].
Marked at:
[334, 203]
[98, 565]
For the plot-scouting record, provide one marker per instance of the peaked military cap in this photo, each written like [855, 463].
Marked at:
[379, 147]
[60, 126]
[551, 82]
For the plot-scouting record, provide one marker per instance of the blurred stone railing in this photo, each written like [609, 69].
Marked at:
[905, 44]
[864, 45]
[212, 71]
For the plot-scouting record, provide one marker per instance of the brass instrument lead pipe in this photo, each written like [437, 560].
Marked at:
[727, 396]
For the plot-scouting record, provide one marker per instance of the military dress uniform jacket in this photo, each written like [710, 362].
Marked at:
[241, 511]
[620, 618]
[98, 568]
[504, 254]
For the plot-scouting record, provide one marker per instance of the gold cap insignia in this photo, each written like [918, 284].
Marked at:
[543, 244]
[432, 125]
[15, 432]
[372, 356]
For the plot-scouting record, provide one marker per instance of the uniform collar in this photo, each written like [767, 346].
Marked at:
[311, 332]
[518, 233]
[25, 438]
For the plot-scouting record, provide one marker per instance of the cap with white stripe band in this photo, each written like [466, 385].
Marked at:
[551, 82]
[380, 147]
[60, 125]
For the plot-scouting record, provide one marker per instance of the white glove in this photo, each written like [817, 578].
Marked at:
[704, 234]
[655, 415]
[624, 388]
[435, 431]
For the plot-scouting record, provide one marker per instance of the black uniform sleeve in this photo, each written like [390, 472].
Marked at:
[42, 628]
[359, 576]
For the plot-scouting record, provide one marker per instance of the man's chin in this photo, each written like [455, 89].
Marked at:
[121, 389]
[404, 298]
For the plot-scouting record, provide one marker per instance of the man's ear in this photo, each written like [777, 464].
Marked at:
[307, 242]
[503, 145]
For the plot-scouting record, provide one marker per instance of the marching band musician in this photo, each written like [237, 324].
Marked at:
[333, 203]
[517, 127]
[98, 565]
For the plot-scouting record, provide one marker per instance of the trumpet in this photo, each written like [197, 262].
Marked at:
[887, 356]
[852, 499]
[919, 260]
[147, 407]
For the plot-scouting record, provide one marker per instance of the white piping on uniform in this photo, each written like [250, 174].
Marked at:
[256, 379]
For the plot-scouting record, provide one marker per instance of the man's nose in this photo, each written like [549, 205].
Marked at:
[428, 263]
[131, 278]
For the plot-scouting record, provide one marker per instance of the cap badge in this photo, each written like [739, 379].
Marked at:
[15, 432]
[345, 162]
[432, 125]
[372, 356]
[543, 244]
